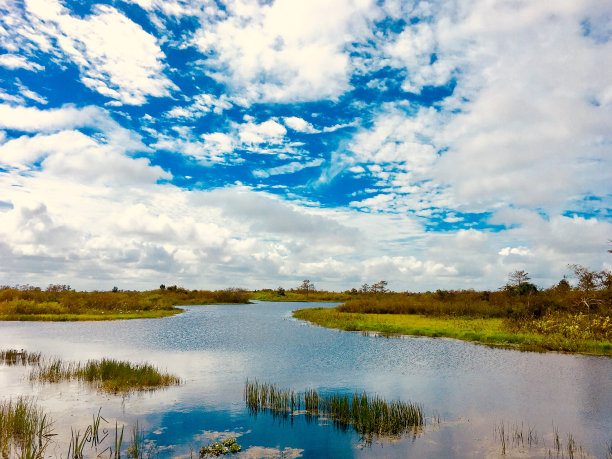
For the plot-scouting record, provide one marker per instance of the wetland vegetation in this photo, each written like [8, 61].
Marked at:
[367, 415]
[108, 375]
[61, 303]
[25, 429]
[560, 318]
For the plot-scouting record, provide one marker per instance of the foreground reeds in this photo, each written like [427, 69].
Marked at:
[22, 357]
[25, 429]
[107, 374]
[367, 415]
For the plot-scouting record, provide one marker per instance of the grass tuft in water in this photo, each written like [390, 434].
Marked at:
[107, 374]
[368, 415]
[25, 429]
[512, 441]
[22, 357]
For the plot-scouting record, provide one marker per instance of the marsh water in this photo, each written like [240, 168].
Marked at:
[466, 390]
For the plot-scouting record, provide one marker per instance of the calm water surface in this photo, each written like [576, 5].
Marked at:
[215, 349]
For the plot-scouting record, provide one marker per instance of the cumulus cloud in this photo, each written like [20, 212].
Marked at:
[299, 125]
[449, 191]
[283, 51]
[528, 123]
[267, 132]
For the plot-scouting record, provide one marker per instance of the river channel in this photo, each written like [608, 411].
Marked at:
[467, 391]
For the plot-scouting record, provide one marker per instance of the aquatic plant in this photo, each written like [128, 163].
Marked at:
[25, 429]
[512, 437]
[22, 357]
[227, 446]
[368, 415]
[107, 374]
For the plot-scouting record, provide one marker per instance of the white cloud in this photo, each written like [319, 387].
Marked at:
[14, 61]
[289, 168]
[520, 251]
[115, 55]
[299, 125]
[201, 104]
[267, 132]
[285, 51]
[31, 119]
[530, 119]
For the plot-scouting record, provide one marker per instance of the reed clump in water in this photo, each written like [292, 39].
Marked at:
[368, 415]
[22, 357]
[107, 374]
[25, 429]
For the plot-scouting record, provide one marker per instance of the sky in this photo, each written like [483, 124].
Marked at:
[255, 144]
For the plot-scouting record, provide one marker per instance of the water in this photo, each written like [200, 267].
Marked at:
[471, 388]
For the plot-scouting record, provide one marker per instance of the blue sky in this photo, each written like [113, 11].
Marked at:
[211, 144]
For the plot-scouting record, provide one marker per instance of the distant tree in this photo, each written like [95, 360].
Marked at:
[518, 277]
[280, 291]
[115, 289]
[162, 287]
[563, 286]
[588, 282]
[306, 287]
[365, 288]
[379, 287]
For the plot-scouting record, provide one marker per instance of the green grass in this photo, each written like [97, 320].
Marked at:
[59, 303]
[489, 330]
[107, 374]
[297, 296]
[91, 316]
[368, 415]
[25, 429]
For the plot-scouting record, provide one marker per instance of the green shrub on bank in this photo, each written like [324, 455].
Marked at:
[55, 302]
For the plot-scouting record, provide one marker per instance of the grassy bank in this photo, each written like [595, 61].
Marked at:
[486, 330]
[299, 296]
[107, 374]
[60, 303]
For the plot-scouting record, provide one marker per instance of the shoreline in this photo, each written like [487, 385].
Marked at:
[484, 331]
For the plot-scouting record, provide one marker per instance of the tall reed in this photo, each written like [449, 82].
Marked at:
[107, 374]
[25, 429]
[22, 357]
[366, 414]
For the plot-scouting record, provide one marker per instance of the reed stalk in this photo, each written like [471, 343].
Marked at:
[368, 415]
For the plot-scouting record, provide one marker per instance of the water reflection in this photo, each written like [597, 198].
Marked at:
[216, 348]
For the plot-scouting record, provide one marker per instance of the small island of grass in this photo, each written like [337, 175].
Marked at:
[108, 375]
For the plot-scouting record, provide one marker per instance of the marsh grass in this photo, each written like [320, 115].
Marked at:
[22, 357]
[515, 439]
[25, 429]
[367, 415]
[108, 375]
[491, 331]
[60, 303]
